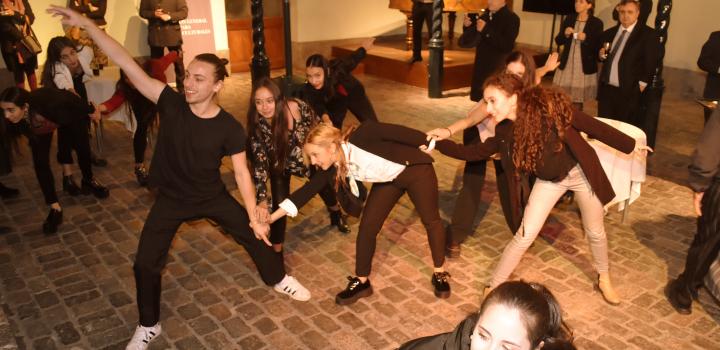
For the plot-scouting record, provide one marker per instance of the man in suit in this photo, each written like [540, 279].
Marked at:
[629, 66]
[493, 35]
[422, 12]
[164, 18]
[709, 61]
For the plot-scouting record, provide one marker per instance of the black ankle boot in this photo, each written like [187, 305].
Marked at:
[53, 220]
[8, 192]
[142, 176]
[439, 280]
[94, 187]
[679, 297]
[354, 291]
[70, 187]
[339, 220]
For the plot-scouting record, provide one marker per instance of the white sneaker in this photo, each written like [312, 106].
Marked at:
[143, 336]
[290, 286]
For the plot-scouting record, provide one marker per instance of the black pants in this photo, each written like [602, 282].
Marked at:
[141, 132]
[165, 216]
[705, 245]
[421, 13]
[421, 184]
[615, 104]
[40, 147]
[470, 196]
[358, 103]
[75, 137]
[280, 189]
[159, 51]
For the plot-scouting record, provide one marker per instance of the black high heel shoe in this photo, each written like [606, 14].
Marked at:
[70, 187]
[94, 187]
[53, 220]
[339, 220]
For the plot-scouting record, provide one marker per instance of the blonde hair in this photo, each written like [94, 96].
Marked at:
[324, 135]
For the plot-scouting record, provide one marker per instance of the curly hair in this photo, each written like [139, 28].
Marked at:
[540, 111]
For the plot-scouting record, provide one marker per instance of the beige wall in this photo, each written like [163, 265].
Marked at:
[320, 20]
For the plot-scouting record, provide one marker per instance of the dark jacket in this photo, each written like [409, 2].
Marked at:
[395, 143]
[458, 339]
[639, 58]
[588, 160]
[60, 107]
[98, 15]
[705, 167]
[709, 61]
[491, 45]
[588, 48]
[161, 33]
[9, 32]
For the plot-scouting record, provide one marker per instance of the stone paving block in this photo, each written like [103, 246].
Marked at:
[87, 267]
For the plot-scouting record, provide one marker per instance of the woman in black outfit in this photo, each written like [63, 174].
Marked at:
[331, 89]
[36, 115]
[276, 133]
[386, 155]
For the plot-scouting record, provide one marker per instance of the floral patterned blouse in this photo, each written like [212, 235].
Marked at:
[262, 150]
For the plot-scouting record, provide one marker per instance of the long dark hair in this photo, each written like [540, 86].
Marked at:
[54, 48]
[539, 311]
[279, 125]
[540, 111]
[19, 97]
[319, 61]
[526, 60]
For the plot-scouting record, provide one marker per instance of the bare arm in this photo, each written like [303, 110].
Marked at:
[476, 115]
[247, 192]
[148, 87]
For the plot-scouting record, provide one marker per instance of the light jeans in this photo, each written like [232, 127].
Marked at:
[543, 197]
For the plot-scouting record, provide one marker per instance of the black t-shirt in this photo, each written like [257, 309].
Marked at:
[189, 150]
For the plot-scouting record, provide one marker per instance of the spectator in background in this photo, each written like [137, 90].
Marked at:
[421, 13]
[709, 61]
[164, 18]
[580, 41]
[493, 35]
[630, 52]
[16, 17]
[705, 183]
[95, 10]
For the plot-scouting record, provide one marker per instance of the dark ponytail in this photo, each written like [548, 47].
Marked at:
[221, 71]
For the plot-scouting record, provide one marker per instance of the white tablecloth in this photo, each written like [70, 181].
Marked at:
[626, 172]
[101, 88]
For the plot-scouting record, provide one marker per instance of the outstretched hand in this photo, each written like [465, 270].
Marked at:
[642, 149]
[68, 16]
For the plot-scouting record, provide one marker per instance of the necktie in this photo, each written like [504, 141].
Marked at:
[611, 57]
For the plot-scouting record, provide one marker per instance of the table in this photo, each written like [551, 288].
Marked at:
[626, 172]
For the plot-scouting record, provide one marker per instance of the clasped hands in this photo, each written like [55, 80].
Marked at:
[260, 223]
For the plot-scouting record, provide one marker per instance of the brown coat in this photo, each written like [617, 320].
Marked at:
[581, 150]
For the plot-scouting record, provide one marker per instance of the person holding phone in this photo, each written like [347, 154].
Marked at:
[164, 18]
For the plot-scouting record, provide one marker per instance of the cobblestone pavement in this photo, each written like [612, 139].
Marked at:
[75, 290]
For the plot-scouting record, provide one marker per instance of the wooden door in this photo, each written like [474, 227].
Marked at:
[239, 26]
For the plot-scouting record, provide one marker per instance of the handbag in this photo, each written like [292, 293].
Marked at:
[29, 45]
[351, 204]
